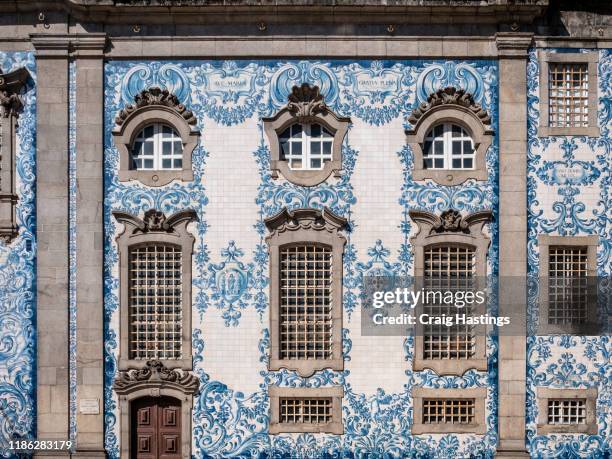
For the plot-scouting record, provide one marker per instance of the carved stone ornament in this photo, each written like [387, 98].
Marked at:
[155, 221]
[450, 96]
[305, 102]
[305, 219]
[156, 96]
[155, 374]
[450, 221]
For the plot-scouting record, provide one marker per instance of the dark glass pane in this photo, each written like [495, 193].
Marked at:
[439, 163]
[456, 148]
[315, 148]
[456, 163]
[166, 164]
[315, 163]
[327, 146]
[315, 130]
[468, 163]
[148, 132]
[439, 148]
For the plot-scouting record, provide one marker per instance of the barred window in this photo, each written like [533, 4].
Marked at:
[568, 94]
[449, 411]
[448, 268]
[567, 411]
[155, 306]
[305, 410]
[567, 288]
[306, 146]
[306, 302]
[157, 147]
[448, 146]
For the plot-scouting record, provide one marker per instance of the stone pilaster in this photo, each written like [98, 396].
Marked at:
[52, 238]
[89, 57]
[512, 51]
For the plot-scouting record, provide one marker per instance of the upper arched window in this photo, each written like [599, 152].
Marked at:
[155, 137]
[306, 146]
[448, 146]
[450, 137]
[305, 138]
[157, 147]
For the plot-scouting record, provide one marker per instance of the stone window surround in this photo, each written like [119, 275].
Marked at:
[546, 393]
[306, 226]
[11, 105]
[155, 380]
[591, 58]
[442, 108]
[149, 109]
[138, 232]
[335, 427]
[479, 394]
[545, 241]
[427, 236]
[305, 106]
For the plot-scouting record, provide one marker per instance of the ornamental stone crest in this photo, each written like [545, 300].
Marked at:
[155, 374]
[313, 219]
[305, 102]
[450, 221]
[450, 96]
[155, 221]
[156, 96]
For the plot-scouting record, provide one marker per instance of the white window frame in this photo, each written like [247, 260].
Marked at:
[306, 140]
[447, 142]
[158, 141]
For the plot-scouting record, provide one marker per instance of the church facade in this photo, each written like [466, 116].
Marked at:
[195, 195]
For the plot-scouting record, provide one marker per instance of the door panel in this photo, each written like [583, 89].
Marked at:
[156, 428]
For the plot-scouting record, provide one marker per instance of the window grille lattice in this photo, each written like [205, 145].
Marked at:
[306, 302]
[562, 411]
[448, 146]
[305, 410]
[306, 146]
[449, 411]
[448, 268]
[155, 302]
[568, 95]
[568, 285]
[157, 147]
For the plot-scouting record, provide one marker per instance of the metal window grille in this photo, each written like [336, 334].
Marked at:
[306, 302]
[566, 411]
[157, 147]
[305, 410]
[306, 146]
[568, 95]
[448, 268]
[155, 304]
[567, 288]
[448, 146]
[449, 411]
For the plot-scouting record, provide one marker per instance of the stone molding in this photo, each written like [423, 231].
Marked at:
[310, 226]
[155, 105]
[479, 394]
[336, 393]
[513, 45]
[154, 227]
[155, 380]
[11, 105]
[451, 228]
[305, 105]
[450, 105]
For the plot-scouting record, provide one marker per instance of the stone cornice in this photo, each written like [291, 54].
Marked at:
[59, 45]
[155, 96]
[314, 219]
[155, 221]
[513, 45]
[155, 375]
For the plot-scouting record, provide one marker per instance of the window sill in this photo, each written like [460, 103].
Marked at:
[156, 178]
[547, 131]
[449, 177]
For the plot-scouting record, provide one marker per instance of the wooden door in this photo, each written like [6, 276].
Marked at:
[156, 428]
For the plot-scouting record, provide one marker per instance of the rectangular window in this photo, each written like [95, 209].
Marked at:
[567, 285]
[567, 411]
[568, 94]
[305, 410]
[306, 302]
[449, 411]
[448, 268]
[155, 306]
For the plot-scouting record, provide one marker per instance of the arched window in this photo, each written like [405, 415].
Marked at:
[450, 137]
[306, 146]
[305, 138]
[448, 146]
[157, 147]
[155, 137]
